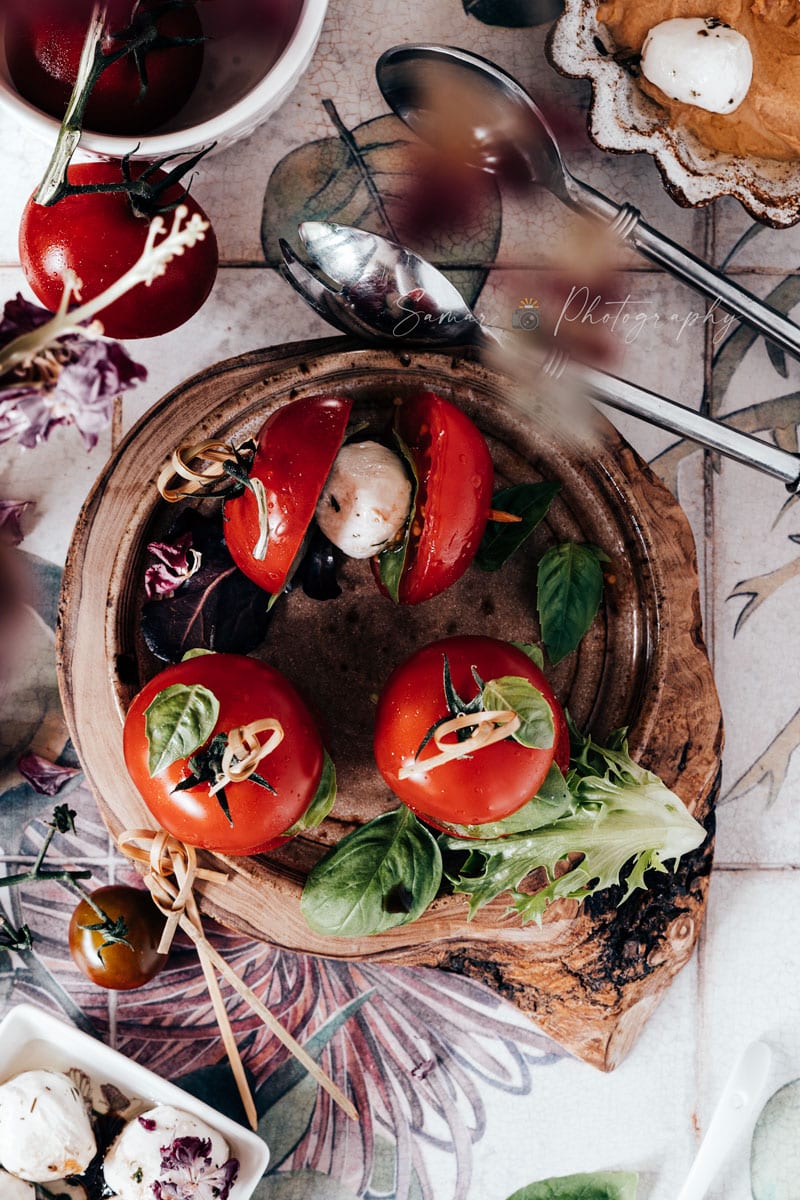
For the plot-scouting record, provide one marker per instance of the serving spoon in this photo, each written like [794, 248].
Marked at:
[493, 124]
[380, 291]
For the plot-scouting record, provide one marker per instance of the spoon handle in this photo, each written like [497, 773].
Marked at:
[739, 1100]
[667, 414]
[627, 222]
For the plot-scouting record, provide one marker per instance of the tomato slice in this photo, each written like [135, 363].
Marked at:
[454, 496]
[297, 446]
[486, 786]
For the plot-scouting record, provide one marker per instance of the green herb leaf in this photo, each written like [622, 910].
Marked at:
[623, 814]
[533, 652]
[392, 561]
[322, 803]
[537, 728]
[196, 653]
[552, 801]
[380, 876]
[600, 1185]
[177, 722]
[527, 500]
[570, 588]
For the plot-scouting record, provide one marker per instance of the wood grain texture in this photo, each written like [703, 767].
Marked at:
[589, 977]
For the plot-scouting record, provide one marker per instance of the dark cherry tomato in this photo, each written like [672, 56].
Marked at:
[247, 690]
[486, 786]
[454, 497]
[118, 966]
[43, 44]
[296, 448]
[98, 236]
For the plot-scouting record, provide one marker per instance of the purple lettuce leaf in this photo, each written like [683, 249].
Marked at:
[189, 1172]
[11, 512]
[44, 776]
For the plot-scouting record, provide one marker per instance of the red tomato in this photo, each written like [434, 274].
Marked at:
[247, 690]
[43, 46]
[99, 237]
[119, 966]
[296, 448]
[490, 784]
[455, 475]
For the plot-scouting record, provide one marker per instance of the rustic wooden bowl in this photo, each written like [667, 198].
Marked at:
[589, 976]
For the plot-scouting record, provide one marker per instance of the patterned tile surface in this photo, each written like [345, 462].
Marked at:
[502, 1106]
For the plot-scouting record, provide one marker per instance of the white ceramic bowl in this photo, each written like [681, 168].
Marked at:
[31, 1039]
[232, 98]
[625, 120]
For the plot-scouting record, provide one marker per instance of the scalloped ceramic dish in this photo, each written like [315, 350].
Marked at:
[626, 121]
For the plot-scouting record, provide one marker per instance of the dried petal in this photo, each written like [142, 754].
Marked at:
[44, 776]
[189, 1173]
[11, 520]
[174, 563]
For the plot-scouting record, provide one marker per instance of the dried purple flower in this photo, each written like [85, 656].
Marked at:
[147, 1123]
[72, 381]
[175, 562]
[44, 776]
[190, 1174]
[11, 520]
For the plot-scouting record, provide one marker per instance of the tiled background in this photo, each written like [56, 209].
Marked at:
[745, 980]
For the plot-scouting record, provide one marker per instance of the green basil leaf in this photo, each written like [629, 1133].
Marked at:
[322, 803]
[599, 1185]
[537, 728]
[197, 653]
[570, 588]
[380, 876]
[553, 801]
[177, 722]
[527, 500]
[533, 652]
[391, 562]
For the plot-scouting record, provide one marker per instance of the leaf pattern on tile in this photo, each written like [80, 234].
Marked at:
[760, 587]
[513, 14]
[371, 177]
[771, 767]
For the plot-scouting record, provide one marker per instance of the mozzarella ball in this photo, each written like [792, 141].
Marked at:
[12, 1188]
[699, 61]
[134, 1162]
[45, 1131]
[366, 500]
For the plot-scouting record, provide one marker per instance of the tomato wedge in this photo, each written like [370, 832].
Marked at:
[454, 495]
[296, 449]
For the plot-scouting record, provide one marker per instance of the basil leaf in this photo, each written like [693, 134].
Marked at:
[533, 652]
[177, 722]
[380, 876]
[599, 1185]
[391, 562]
[322, 803]
[198, 653]
[569, 591]
[537, 728]
[527, 500]
[553, 801]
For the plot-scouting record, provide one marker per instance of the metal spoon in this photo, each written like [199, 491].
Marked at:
[495, 125]
[381, 291]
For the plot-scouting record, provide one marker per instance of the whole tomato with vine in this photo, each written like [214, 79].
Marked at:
[114, 936]
[99, 229]
[139, 91]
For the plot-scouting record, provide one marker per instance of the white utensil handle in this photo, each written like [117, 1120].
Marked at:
[742, 1094]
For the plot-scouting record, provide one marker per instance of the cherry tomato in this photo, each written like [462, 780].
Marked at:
[43, 46]
[247, 690]
[118, 966]
[296, 448]
[98, 236]
[454, 497]
[486, 786]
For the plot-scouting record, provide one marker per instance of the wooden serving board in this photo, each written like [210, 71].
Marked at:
[590, 976]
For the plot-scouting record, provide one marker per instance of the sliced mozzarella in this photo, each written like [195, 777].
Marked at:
[699, 61]
[366, 501]
[45, 1131]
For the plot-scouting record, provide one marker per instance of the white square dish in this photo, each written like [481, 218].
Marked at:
[32, 1039]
